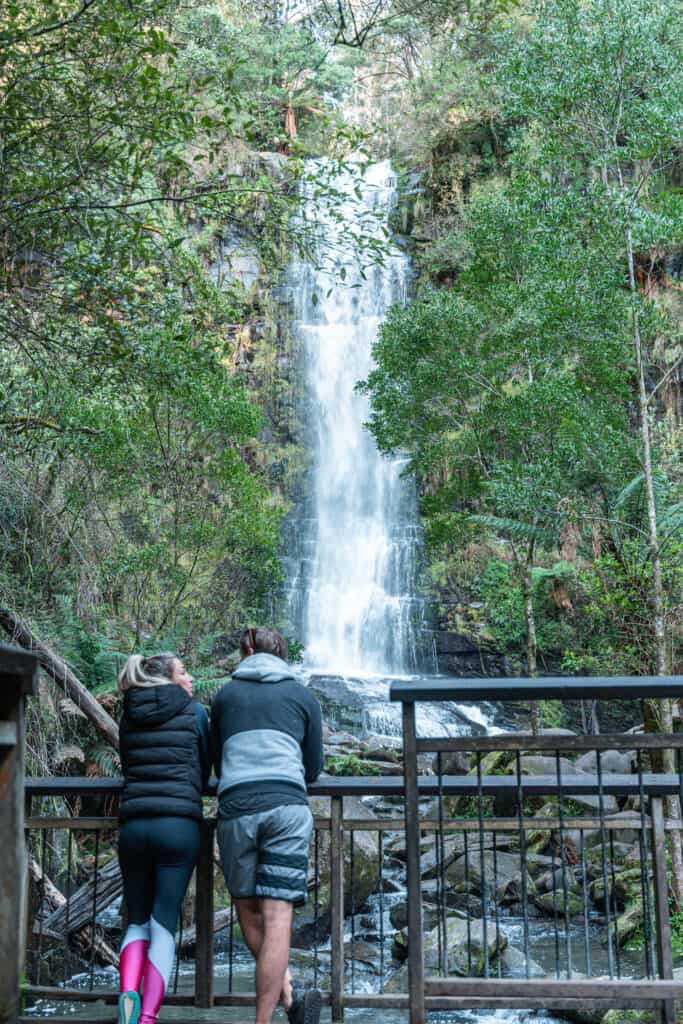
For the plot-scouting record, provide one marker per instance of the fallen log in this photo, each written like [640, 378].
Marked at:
[221, 920]
[109, 888]
[63, 676]
[83, 937]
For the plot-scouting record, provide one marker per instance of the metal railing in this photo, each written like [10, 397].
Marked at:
[576, 804]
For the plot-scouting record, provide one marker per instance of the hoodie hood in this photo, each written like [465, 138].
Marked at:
[154, 705]
[264, 668]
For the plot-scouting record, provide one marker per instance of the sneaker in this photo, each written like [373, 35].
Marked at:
[129, 1008]
[305, 1008]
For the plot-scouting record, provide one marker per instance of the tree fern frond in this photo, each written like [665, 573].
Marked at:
[561, 570]
[632, 490]
[516, 528]
[107, 760]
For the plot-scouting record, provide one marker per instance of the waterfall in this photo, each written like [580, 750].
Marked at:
[352, 588]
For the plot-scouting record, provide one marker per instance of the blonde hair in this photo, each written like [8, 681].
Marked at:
[141, 671]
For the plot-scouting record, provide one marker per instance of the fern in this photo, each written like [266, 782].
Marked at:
[561, 570]
[517, 529]
[107, 760]
[631, 501]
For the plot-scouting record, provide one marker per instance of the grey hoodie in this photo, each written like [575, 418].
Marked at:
[266, 737]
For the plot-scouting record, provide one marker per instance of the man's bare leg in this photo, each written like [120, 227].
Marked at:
[250, 917]
[273, 957]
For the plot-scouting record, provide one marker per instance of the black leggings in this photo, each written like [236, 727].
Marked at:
[157, 857]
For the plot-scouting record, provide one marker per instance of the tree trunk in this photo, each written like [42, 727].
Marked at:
[531, 645]
[83, 935]
[290, 119]
[58, 670]
[109, 888]
[665, 714]
[221, 919]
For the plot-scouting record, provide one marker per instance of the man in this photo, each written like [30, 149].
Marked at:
[266, 731]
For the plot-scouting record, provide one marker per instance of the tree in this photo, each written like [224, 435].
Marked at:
[501, 389]
[600, 85]
[128, 484]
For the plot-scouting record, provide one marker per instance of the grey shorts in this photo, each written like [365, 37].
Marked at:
[266, 854]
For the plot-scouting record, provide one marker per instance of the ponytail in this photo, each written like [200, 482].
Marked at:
[140, 671]
[263, 640]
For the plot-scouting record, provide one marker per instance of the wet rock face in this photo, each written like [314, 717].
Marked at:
[458, 655]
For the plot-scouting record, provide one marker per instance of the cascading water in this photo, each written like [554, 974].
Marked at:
[355, 538]
[353, 597]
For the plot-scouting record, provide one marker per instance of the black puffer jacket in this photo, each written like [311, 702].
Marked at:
[164, 743]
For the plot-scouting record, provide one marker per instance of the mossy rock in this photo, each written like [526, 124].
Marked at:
[625, 887]
[551, 901]
[503, 875]
[466, 955]
[630, 923]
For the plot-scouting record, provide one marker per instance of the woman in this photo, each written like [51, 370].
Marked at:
[164, 742]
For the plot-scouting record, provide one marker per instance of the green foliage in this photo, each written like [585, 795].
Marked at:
[270, 67]
[512, 389]
[351, 764]
[504, 613]
[129, 479]
[552, 713]
[296, 650]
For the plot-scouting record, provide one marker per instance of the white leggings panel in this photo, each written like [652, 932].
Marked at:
[161, 950]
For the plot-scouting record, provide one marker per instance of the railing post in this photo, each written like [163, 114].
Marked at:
[412, 817]
[661, 887]
[18, 671]
[337, 905]
[203, 977]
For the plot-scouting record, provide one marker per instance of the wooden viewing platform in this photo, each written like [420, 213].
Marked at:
[439, 820]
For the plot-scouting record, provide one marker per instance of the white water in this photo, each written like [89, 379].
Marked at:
[354, 584]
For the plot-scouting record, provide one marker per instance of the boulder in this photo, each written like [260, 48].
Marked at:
[455, 900]
[515, 964]
[458, 943]
[398, 982]
[538, 764]
[374, 740]
[554, 879]
[553, 902]
[612, 762]
[342, 739]
[458, 762]
[66, 755]
[579, 1016]
[630, 834]
[430, 861]
[629, 923]
[543, 764]
[463, 945]
[625, 888]
[398, 915]
[505, 884]
[363, 952]
[537, 863]
[382, 754]
[592, 802]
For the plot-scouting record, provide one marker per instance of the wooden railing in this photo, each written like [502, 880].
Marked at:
[17, 681]
[432, 824]
[658, 989]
